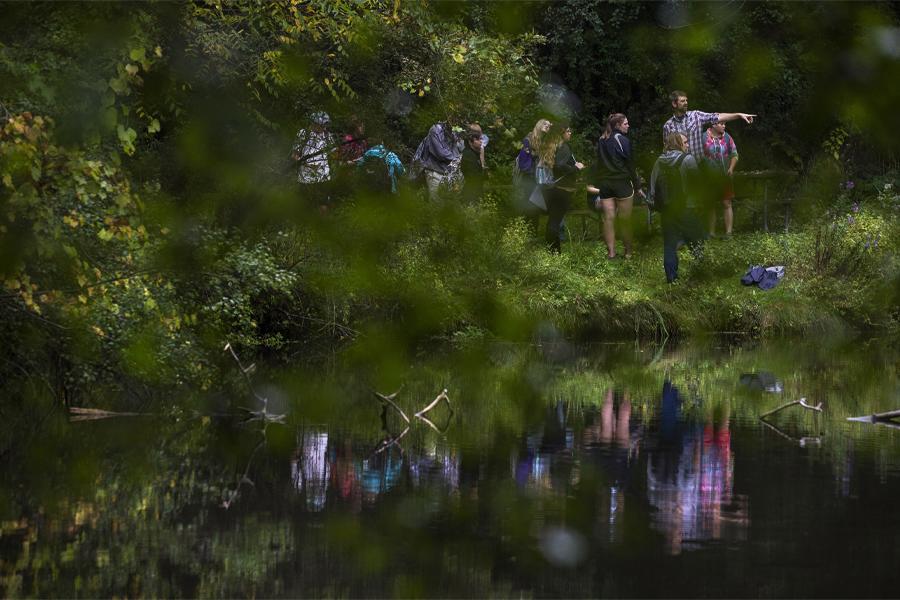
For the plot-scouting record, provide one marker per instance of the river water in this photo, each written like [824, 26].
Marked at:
[555, 470]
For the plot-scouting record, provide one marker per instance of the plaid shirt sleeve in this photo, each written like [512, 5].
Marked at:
[667, 129]
[704, 118]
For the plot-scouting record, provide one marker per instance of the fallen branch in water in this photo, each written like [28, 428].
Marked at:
[803, 441]
[391, 441]
[78, 413]
[389, 400]
[264, 413]
[801, 402]
[885, 418]
[232, 495]
[441, 396]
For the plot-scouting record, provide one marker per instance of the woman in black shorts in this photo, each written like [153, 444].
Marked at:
[616, 182]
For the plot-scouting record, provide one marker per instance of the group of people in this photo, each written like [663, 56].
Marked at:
[693, 174]
[319, 153]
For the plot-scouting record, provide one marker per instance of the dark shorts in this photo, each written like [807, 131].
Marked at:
[615, 189]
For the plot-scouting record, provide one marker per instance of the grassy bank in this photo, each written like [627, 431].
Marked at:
[471, 272]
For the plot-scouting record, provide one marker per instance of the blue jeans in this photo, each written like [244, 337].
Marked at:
[680, 225]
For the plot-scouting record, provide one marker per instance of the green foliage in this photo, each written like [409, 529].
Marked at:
[157, 219]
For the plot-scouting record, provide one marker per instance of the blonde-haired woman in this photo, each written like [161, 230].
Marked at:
[554, 154]
[526, 161]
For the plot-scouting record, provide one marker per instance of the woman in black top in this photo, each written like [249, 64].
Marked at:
[616, 182]
[556, 153]
[472, 166]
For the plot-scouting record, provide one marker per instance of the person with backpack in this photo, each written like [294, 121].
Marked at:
[674, 193]
[438, 155]
[530, 200]
[311, 150]
[557, 173]
[617, 182]
[379, 169]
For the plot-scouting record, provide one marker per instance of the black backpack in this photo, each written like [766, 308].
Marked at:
[669, 190]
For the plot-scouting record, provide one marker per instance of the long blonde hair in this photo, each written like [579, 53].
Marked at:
[550, 143]
[538, 132]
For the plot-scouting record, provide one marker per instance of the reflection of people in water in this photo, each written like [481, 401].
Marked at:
[435, 466]
[608, 442]
[546, 462]
[309, 469]
[690, 476]
[380, 472]
[345, 475]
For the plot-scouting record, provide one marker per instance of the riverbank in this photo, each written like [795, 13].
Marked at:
[480, 275]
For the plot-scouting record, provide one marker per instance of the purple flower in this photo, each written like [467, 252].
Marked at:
[849, 185]
[855, 207]
[850, 219]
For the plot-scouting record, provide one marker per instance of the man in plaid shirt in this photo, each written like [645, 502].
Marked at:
[693, 123]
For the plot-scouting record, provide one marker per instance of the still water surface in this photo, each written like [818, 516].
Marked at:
[613, 470]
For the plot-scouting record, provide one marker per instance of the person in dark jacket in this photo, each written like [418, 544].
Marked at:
[438, 156]
[674, 191]
[557, 154]
[616, 182]
[472, 164]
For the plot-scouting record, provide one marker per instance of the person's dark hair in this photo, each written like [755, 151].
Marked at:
[613, 122]
[676, 94]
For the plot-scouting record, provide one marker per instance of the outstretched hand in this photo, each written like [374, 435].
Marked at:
[746, 117]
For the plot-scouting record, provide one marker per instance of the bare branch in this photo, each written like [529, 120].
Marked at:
[78, 413]
[394, 441]
[389, 400]
[441, 396]
[801, 402]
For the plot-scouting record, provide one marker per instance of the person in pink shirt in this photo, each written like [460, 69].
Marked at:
[720, 155]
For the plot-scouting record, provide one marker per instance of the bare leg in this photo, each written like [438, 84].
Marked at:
[729, 215]
[607, 418]
[623, 419]
[624, 215]
[609, 227]
[712, 222]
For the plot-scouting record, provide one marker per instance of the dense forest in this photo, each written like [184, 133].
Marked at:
[150, 211]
